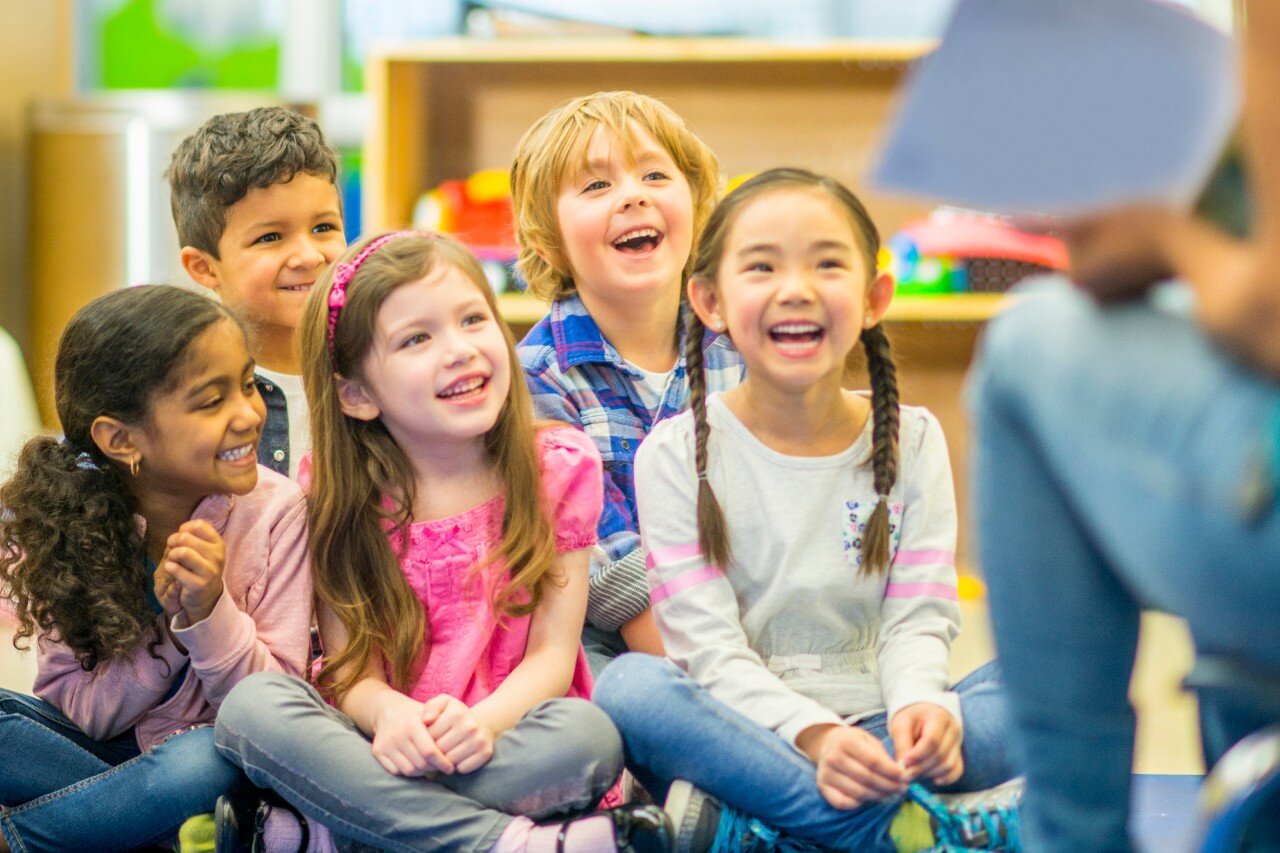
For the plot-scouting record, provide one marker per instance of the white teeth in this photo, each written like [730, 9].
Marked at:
[463, 388]
[236, 453]
[796, 329]
[637, 234]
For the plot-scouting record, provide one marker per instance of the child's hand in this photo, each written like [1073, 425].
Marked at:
[194, 560]
[927, 740]
[167, 592]
[854, 768]
[401, 742]
[462, 738]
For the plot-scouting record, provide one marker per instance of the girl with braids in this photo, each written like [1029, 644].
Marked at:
[154, 563]
[801, 542]
[451, 537]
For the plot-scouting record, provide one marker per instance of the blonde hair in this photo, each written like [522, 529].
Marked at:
[713, 534]
[558, 141]
[363, 485]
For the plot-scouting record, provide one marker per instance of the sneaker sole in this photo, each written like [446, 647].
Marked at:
[681, 807]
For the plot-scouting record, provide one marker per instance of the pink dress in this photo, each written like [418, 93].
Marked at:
[471, 648]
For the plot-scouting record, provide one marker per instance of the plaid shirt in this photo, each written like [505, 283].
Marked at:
[576, 376]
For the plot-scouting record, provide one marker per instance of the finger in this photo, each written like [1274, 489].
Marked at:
[837, 798]
[434, 707]
[431, 754]
[953, 774]
[925, 748]
[387, 763]
[871, 755]
[400, 764]
[182, 576]
[855, 793]
[475, 760]
[902, 731]
[200, 529]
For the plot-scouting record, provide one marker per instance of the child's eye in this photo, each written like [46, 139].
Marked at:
[831, 264]
[595, 185]
[273, 237]
[760, 266]
[211, 404]
[414, 340]
[324, 227]
[250, 388]
[472, 319]
[657, 175]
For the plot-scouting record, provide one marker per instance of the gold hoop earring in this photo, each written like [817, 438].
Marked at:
[134, 464]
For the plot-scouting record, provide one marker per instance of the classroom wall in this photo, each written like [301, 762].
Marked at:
[35, 44]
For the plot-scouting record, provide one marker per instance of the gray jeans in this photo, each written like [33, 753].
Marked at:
[559, 759]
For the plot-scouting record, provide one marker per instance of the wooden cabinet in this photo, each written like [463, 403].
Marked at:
[443, 109]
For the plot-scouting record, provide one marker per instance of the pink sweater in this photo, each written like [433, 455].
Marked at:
[261, 623]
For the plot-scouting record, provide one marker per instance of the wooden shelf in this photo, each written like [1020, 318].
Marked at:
[522, 311]
[445, 108]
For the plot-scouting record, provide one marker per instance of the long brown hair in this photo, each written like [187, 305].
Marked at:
[71, 557]
[712, 531]
[362, 486]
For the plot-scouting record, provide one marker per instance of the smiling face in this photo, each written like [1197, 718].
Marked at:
[201, 436]
[793, 288]
[277, 241]
[625, 218]
[439, 368]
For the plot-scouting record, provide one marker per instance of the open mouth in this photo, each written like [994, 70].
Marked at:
[464, 389]
[638, 241]
[235, 454]
[796, 338]
[305, 287]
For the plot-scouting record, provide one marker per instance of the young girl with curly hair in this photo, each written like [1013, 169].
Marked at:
[154, 563]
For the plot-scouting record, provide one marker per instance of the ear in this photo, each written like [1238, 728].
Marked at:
[354, 399]
[879, 295]
[201, 266]
[705, 302]
[116, 439]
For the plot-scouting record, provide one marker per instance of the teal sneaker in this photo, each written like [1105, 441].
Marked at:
[703, 824]
[983, 820]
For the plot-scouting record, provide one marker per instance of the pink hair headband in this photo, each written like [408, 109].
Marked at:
[345, 271]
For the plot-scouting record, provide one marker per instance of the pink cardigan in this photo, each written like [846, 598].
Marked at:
[261, 623]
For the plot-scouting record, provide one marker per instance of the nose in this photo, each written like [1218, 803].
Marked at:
[459, 348]
[795, 287]
[251, 412]
[306, 254]
[635, 193]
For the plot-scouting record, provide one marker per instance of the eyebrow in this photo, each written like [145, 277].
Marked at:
[249, 367]
[821, 246]
[327, 213]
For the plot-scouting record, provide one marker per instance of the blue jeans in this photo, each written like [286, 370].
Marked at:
[1118, 462]
[673, 728]
[560, 758]
[61, 790]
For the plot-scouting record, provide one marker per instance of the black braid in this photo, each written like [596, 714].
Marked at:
[884, 445]
[713, 534]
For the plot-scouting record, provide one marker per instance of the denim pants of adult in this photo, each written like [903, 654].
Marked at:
[62, 790]
[674, 729]
[1120, 463]
[560, 758]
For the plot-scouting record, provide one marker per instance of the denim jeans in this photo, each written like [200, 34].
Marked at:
[61, 790]
[560, 758]
[1120, 464]
[674, 729]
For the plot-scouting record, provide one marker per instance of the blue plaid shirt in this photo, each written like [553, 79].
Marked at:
[576, 376]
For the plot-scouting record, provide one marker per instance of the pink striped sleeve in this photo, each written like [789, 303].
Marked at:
[697, 577]
[914, 590]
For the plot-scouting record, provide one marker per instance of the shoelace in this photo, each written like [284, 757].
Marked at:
[741, 833]
[1001, 824]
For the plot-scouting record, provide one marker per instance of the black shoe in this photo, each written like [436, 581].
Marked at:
[233, 823]
[240, 821]
[636, 829]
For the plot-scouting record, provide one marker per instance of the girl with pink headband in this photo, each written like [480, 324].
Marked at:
[451, 537]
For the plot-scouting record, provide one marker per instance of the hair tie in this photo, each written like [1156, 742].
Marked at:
[345, 271]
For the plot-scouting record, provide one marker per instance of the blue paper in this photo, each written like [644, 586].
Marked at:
[1064, 107]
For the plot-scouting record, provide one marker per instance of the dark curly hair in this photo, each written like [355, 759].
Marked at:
[71, 557]
[233, 153]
